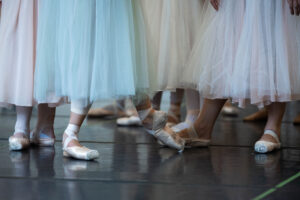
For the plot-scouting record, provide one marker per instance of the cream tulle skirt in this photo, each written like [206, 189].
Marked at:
[171, 29]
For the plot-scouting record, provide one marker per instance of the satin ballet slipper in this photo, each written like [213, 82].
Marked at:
[267, 146]
[165, 135]
[230, 111]
[193, 140]
[129, 121]
[41, 139]
[77, 152]
[17, 143]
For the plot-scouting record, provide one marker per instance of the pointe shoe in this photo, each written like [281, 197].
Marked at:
[164, 134]
[182, 126]
[77, 152]
[80, 153]
[230, 111]
[129, 121]
[266, 146]
[193, 139]
[17, 143]
[41, 139]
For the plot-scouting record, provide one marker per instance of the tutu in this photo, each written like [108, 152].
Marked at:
[171, 28]
[267, 65]
[17, 52]
[93, 50]
[249, 52]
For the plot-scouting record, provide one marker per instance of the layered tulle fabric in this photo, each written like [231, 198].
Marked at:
[17, 52]
[0, 9]
[95, 49]
[249, 52]
[171, 30]
[267, 65]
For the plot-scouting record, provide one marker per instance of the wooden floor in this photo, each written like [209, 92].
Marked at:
[133, 166]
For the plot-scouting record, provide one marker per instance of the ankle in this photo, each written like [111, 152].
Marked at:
[274, 127]
[146, 117]
[45, 129]
[70, 134]
[192, 116]
[203, 130]
[21, 132]
[275, 130]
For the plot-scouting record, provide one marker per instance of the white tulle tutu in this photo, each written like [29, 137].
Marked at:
[171, 28]
[249, 52]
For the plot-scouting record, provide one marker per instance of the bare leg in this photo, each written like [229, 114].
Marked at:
[275, 115]
[46, 116]
[261, 115]
[205, 122]
[270, 139]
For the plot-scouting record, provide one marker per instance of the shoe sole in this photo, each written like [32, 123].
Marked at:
[264, 149]
[90, 156]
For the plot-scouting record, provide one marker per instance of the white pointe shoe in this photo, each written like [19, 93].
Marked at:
[230, 111]
[77, 152]
[193, 140]
[41, 139]
[129, 121]
[169, 139]
[18, 143]
[181, 126]
[266, 146]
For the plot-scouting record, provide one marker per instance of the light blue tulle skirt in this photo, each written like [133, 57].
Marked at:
[89, 50]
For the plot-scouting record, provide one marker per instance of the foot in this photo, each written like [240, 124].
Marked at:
[193, 139]
[181, 126]
[129, 121]
[189, 121]
[72, 148]
[230, 110]
[169, 138]
[107, 111]
[43, 137]
[268, 142]
[18, 141]
[261, 115]
[155, 124]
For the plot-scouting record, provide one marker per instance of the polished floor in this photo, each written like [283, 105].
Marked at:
[133, 166]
